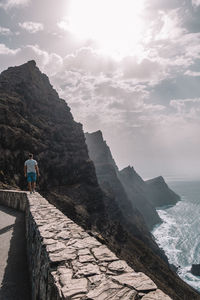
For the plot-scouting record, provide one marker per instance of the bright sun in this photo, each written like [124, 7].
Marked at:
[117, 26]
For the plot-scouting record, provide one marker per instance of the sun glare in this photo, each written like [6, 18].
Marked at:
[115, 25]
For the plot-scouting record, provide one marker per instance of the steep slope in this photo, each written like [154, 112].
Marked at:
[147, 195]
[99, 151]
[107, 174]
[123, 183]
[34, 119]
[159, 194]
[135, 188]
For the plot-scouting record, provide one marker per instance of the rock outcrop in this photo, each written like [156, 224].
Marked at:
[34, 119]
[109, 178]
[99, 151]
[159, 194]
[135, 188]
[195, 270]
[144, 196]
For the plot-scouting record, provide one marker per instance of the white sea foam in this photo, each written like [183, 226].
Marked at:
[179, 234]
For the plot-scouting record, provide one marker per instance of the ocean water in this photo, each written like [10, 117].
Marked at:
[179, 234]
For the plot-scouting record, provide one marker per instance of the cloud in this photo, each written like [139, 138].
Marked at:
[7, 51]
[192, 73]
[5, 31]
[32, 27]
[172, 57]
[147, 101]
[153, 135]
[160, 56]
[146, 70]
[168, 49]
[165, 5]
[64, 24]
[170, 25]
[49, 63]
[90, 61]
[8, 4]
[187, 108]
[195, 2]
[94, 62]
[117, 101]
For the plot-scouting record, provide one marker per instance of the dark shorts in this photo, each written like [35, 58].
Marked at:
[31, 177]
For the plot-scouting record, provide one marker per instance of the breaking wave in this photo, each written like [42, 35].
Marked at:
[179, 234]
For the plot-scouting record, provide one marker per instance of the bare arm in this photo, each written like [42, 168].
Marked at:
[25, 170]
[37, 170]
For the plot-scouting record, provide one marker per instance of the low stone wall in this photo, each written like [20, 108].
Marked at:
[65, 262]
[14, 199]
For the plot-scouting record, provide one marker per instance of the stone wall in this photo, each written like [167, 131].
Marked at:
[65, 262]
[14, 199]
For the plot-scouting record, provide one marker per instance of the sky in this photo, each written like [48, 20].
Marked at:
[128, 68]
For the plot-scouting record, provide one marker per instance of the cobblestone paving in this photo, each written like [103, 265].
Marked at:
[86, 269]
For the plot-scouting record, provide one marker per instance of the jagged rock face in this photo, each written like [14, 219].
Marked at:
[135, 188]
[99, 151]
[159, 194]
[127, 186]
[107, 174]
[34, 119]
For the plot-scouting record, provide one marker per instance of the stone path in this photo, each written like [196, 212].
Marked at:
[14, 281]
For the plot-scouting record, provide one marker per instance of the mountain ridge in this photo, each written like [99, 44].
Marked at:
[143, 195]
[34, 119]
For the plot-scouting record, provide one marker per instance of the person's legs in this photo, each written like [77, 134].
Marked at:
[29, 187]
[33, 183]
[29, 182]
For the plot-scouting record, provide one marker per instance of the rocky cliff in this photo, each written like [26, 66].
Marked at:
[135, 197]
[147, 195]
[159, 194]
[128, 187]
[34, 119]
[135, 188]
[107, 174]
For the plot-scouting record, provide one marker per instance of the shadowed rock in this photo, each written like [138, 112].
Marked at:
[195, 270]
[159, 194]
[135, 188]
[144, 196]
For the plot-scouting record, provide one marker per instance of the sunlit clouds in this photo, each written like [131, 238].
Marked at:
[4, 31]
[128, 68]
[31, 27]
[196, 2]
[117, 27]
[8, 4]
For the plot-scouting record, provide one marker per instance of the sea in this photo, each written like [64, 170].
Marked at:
[179, 234]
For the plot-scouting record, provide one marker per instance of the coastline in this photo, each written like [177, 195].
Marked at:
[173, 235]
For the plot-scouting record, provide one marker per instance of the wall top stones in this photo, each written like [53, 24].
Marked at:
[71, 264]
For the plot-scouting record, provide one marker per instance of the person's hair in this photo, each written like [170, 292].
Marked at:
[30, 155]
